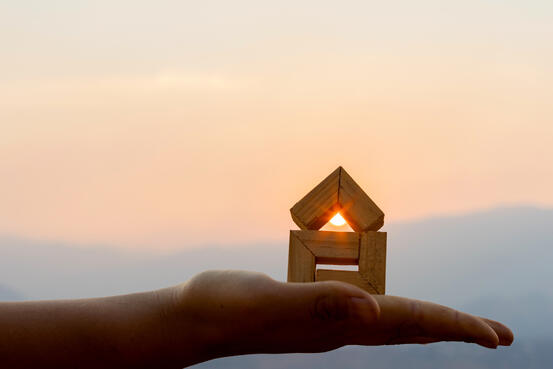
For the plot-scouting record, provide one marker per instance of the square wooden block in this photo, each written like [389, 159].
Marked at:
[365, 249]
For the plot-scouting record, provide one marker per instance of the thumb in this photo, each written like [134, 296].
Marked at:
[336, 301]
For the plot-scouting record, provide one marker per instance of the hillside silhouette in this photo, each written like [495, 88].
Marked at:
[494, 263]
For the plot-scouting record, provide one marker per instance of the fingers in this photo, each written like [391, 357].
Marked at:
[505, 335]
[347, 315]
[411, 321]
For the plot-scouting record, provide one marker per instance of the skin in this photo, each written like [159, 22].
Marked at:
[224, 313]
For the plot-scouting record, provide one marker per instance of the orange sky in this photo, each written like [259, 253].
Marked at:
[206, 128]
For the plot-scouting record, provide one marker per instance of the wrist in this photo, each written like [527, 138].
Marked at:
[187, 336]
[134, 327]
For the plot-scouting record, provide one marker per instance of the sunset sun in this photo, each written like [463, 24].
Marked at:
[338, 220]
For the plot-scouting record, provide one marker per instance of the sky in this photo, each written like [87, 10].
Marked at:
[173, 124]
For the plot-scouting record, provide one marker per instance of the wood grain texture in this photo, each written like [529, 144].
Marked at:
[357, 208]
[337, 193]
[316, 208]
[346, 276]
[301, 262]
[372, 259]
[368, 250]
[338, 248]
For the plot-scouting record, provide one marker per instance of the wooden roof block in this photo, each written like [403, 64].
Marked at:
[338, 193]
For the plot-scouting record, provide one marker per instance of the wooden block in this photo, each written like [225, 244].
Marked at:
[347, 276]
[337, 193]
[339, 248]
[368, 250]
[357, 208]
[316, 208]
[301, 261]
[372, 259]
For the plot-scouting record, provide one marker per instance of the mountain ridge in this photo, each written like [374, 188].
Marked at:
[488, 262]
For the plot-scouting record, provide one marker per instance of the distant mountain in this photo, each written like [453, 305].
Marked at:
[8, 294]
[495, 262]
[537, 354]
[43, 270]
[529, 314]
[501, 252]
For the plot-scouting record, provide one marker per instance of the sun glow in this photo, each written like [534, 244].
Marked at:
[338, 220]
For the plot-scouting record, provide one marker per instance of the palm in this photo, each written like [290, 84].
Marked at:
[243, 312]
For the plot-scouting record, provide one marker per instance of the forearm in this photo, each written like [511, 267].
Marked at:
[119, 331]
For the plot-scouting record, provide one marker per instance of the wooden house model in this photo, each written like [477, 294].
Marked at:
[365, 247]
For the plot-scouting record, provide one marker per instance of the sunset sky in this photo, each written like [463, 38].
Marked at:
[169, 124]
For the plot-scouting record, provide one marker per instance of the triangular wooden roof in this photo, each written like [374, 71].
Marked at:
[338, 193]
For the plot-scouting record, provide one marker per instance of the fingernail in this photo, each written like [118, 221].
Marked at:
[363, 309]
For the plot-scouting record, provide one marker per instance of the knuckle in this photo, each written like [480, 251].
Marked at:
[417, 312]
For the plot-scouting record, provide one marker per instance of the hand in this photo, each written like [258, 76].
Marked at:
[223, 313]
